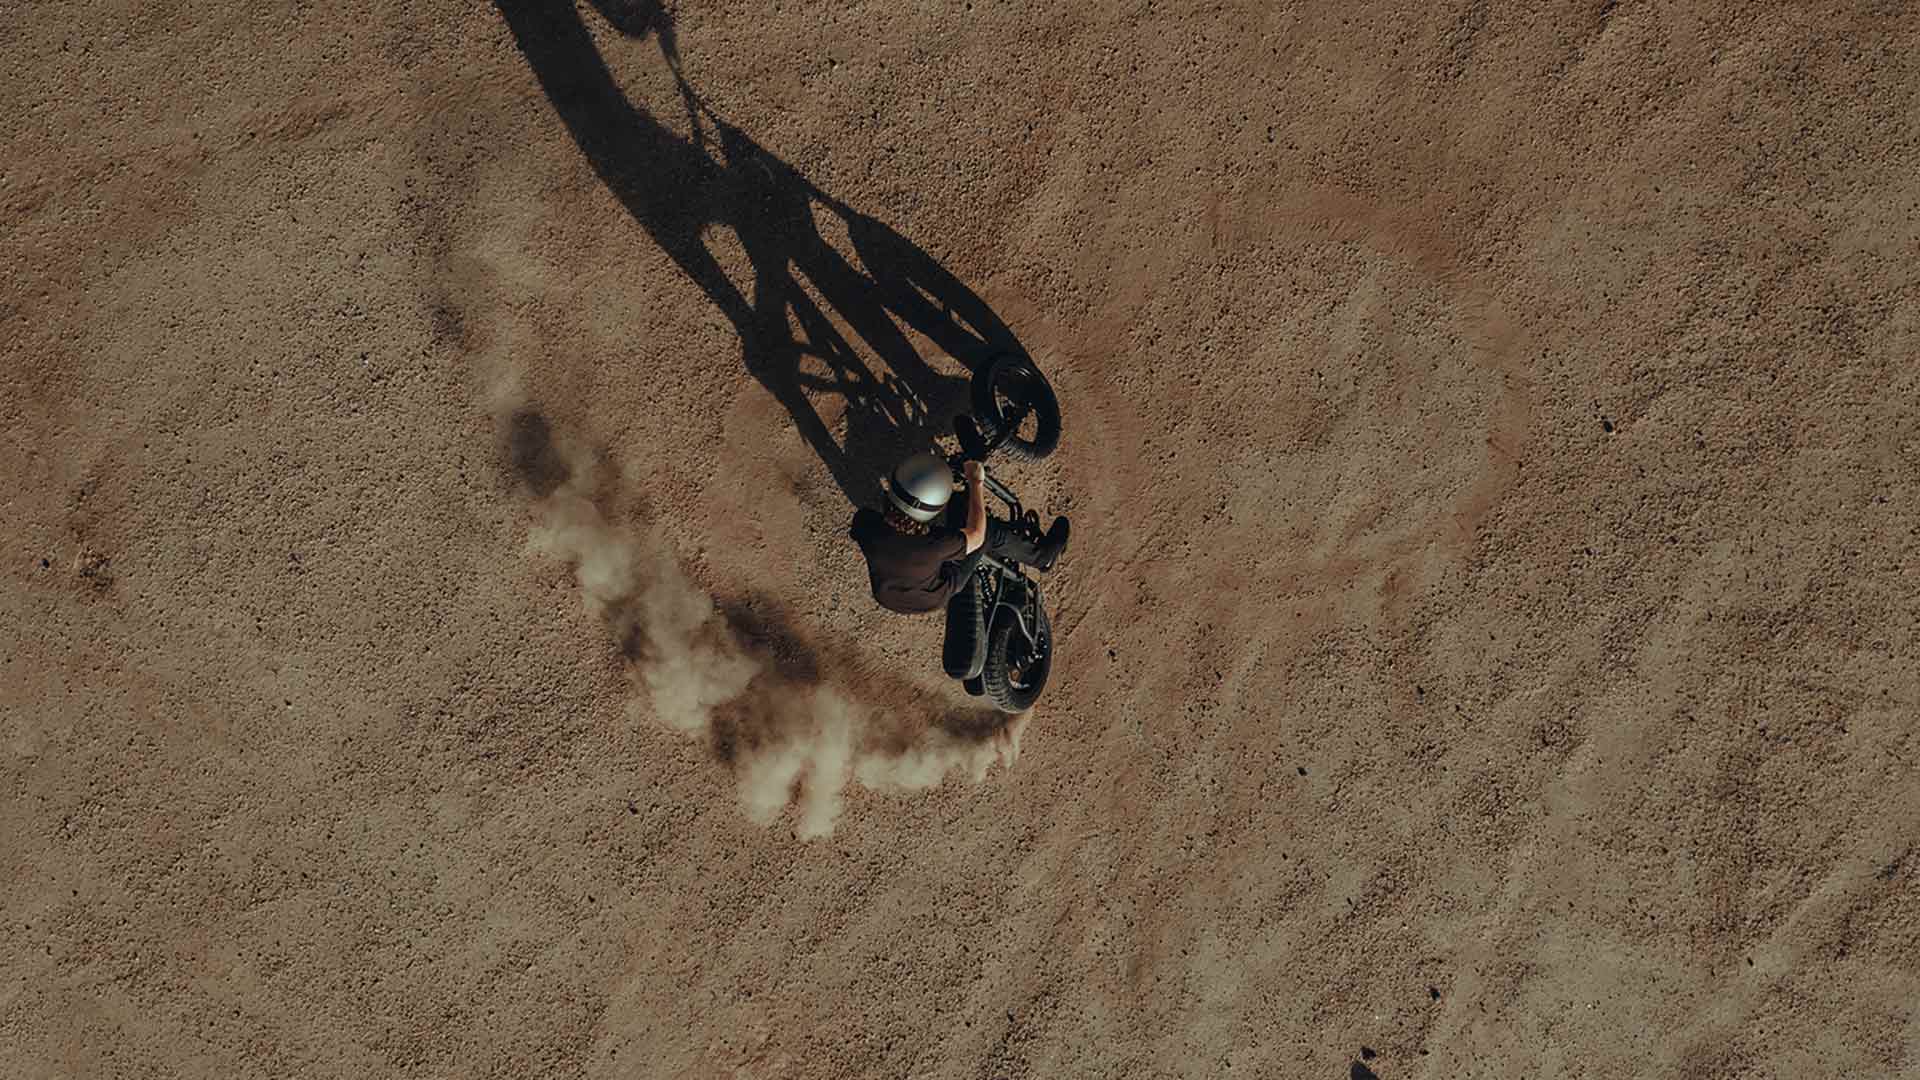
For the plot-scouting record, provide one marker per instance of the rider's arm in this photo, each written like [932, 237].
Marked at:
[976, 529]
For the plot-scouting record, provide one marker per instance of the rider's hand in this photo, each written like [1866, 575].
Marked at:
[975, 472]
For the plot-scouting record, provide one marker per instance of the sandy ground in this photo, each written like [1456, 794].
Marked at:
[431, 645]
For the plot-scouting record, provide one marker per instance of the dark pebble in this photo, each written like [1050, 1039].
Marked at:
[1366, 1053]
[1606, 425]
[1433, 993]
[1303, 770]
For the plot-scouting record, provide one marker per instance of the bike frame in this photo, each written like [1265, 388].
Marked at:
[1004, 494]
[1010, 588]
[1014, 587]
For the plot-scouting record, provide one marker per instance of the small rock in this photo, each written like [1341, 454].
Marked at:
[1606, 425]
[1366, 1053]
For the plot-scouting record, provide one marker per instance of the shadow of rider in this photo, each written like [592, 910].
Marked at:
[679, 188]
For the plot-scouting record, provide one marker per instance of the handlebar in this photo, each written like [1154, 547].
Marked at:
[999, 490]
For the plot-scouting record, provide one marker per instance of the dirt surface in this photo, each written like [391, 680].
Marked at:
[432, 646]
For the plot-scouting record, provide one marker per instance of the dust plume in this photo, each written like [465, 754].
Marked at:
[794, 722]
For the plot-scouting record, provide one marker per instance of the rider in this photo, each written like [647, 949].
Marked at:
[916, 563]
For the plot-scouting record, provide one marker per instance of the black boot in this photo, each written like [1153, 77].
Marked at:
[1010, 543]
[1052, 545]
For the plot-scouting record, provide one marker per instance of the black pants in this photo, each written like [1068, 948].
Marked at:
[1003, 542]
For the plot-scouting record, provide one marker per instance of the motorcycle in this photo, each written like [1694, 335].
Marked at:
[999, 642]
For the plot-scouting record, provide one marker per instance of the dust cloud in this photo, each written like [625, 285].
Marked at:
[795, 722]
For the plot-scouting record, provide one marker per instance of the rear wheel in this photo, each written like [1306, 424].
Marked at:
[965, 649]
[1017, 671]
[1010, 395]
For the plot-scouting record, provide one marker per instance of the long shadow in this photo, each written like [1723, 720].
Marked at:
[678, 188]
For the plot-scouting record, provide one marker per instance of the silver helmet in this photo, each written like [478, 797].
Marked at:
[921, 487]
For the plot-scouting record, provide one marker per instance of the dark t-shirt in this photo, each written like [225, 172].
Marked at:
[909, 573]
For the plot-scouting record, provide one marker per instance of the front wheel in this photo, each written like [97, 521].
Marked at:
[1010, 396]
[1017, 671]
